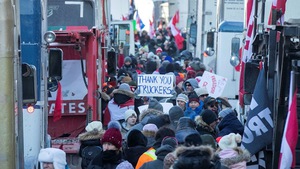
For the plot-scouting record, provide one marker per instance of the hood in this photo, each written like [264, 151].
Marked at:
[192, 81]
[199, 122]
[125, 92]
[91, 135]
[242, 156]
[105, 96]
[149, 112]
[162, 151]
[183, 151]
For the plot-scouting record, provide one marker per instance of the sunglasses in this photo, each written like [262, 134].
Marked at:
[204, 95]
[188, 85]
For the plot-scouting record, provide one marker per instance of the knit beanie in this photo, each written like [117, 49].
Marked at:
[158, 50]
[201, 91]
[127, 59]
[150, 127]
[230, 141]
[175, 113]
[171, 141]
[129, 113]
[208, 116]
[136, 138]
[112, 136]
[125, 87]
[185, 122]
[154, 104]
[225, 112]
[114, 124]
[182, 97]
[193, 139]
[53, 155]
[94, 125]
[193, 97]
[164, 132]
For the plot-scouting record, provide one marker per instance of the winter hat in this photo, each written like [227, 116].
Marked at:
[136, 138]
[209, 101]
[114, 124]
[208, 116]
[201, 91]
[158, 50]
[150, 127]
[191, 74]
[112, 136]
[53, 155]
[185, 122]
[225, 112]
[230, 141]
[170, 68]
[126, 79]
[171, 141]
[182, 97]
[127, 59]
[175, 113]
[193, 139]
[193, 97]
[208, 139]
[94, 125]
[160, 120]
[151, 66]
[154, 104]
[129, 113]
[162, 133]
[124, 86]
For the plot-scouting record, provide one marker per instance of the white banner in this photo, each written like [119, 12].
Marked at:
[155, 85]
[214, 84]
[166, 107]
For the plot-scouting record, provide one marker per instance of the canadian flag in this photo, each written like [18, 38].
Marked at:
[151, 32]
[175, 31]
[287, 158]
[280, 6]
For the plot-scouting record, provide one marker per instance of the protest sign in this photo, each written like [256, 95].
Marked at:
[214, 84]
[155, 85]
[166, 107]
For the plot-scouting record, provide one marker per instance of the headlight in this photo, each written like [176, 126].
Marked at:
[49, 37]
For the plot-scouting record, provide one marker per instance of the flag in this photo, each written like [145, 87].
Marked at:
[151, 31]
[258, 131]
[247, 51]
[139, 22]
[58, 104]
[124, 18]
[175, 31]
[278, 5]
[287, 158]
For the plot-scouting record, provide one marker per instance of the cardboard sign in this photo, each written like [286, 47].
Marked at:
[155, 85]
[214, 84]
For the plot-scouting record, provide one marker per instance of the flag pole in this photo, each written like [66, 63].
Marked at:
[293, 80]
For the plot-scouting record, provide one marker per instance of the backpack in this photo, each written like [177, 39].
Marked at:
[88, 153]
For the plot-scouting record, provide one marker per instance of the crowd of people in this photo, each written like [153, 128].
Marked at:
[198, 131]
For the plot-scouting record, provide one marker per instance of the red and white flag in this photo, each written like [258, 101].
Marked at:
[151, 31]
[287, 158]
[247, 50]
[278, 5]
[175, 31]
[58, 104]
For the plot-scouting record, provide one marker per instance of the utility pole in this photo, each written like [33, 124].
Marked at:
[7, 115]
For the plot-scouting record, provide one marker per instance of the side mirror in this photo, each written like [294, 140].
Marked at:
[29, 83]
[111, 63]
[193, 34]
[210, 38]
[55, 63]
[235, 47]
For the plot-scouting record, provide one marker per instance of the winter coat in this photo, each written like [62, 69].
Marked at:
[204, 128]
[230, 124]
[234, 158]
[132, 154]
[193, 113]
[159, 162]
[115, 111]
[148, 156]
[109, 160]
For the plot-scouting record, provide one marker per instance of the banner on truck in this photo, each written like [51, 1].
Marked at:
[155, 85]
[214, 84]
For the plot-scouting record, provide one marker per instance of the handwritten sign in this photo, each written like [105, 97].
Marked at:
[155, 85]
[214, 84]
